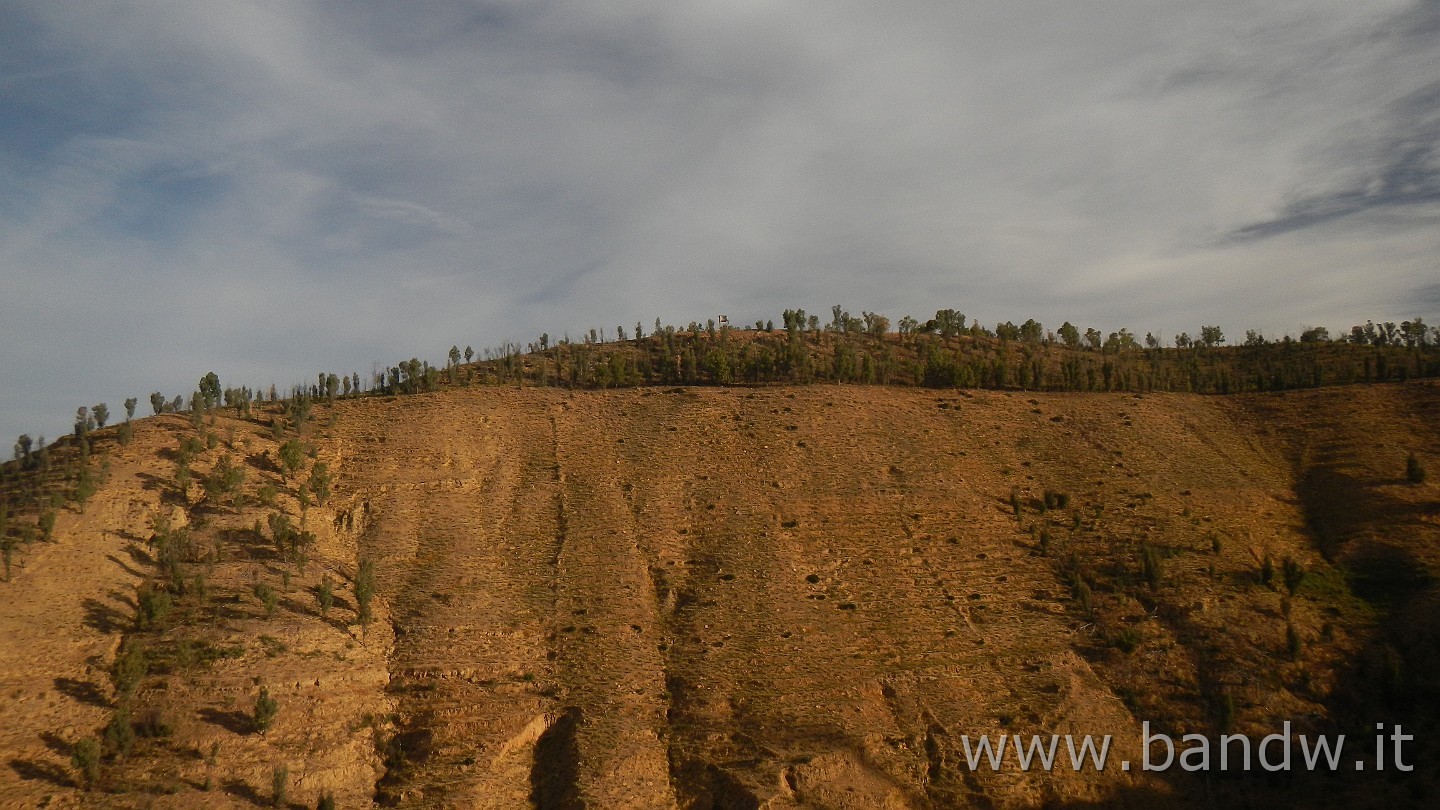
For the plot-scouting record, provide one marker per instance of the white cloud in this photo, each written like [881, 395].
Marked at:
[272, 188]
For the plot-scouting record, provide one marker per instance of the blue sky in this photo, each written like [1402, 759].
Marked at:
[272, 189]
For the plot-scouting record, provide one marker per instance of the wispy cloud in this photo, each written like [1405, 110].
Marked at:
[271, 188]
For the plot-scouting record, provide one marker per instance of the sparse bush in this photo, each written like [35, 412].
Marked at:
[86, 759]
[1292, 642]
[85, 486]
[325, 595]
[327, 799]
[47, 525]
[1152, 567]
[130, 668]
[1044, 542]
[1056, 500]
[279, 781]
[268, 599]
[1015, 501]
[153, 605]
[225, 481]
[1414, 473]
[320, 482]
[119, 733]
[266, 495]
[1293, 574]
[266, 708]
[292, 456]
[155, 724]
[365, 591]
[1267, 571]
[1126, 640]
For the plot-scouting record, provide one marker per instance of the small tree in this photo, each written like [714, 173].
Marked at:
[225, 481]
[157, 403]
[1414, 473]
[86, 759]
[1293, 573]
[319, 483]
[268, 599]
[266, 708]
[279, 781]
[325, 595]
[365, 591]
[47, 525]
[102, 414]
[292, 456]
[130, 408]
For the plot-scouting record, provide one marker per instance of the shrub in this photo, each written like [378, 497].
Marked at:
[130, 408]
[86, 759]
[1015, 501]
[267, 597]
[327, 799]
[153, 604]
[325, 595]
[1414, 473]
[130, 668]
[292, 456]
[1292, 642]
[85, 486]
[266, 495]
[1293, 573]
[279, 780]
[266, 708]
[1126, 640]
[102, 414]
[47, 525]
[225, 481]
[365, 591]
[119, 734]
[320, 482]
[1152, 568]
[1267, 570]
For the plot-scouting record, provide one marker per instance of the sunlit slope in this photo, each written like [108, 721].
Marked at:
[732, 597]
[806, 596]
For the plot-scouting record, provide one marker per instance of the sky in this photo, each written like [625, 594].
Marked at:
[268, 190]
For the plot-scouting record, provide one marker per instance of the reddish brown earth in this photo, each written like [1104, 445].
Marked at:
[707, 597]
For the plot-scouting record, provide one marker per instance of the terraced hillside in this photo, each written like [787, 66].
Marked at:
[732, 597]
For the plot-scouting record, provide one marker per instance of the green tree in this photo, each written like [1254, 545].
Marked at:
[319, 483]
[279, 784]
[224, 482]
[102, 414]
[365, 591]
[1069, 335]
[130, 408]
[86, 759]
[157, 403]
[266, 708]
[292, 456]
[1414, 472]
[210, 393]
[325, 595]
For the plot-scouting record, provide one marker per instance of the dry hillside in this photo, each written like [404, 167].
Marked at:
[739, 598]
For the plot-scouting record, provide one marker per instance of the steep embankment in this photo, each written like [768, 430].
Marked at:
[788, 597]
